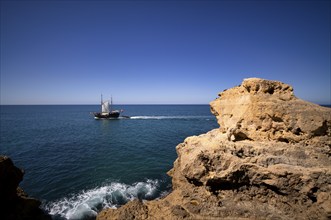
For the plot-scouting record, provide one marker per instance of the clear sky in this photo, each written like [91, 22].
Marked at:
[160, 52]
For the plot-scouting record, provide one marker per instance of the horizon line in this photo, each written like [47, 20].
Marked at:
[113, 104]
[322, 104]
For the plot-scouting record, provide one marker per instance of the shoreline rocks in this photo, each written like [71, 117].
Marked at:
[14, 202]
[270, 159]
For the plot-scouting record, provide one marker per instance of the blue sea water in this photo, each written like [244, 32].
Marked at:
[78, 165]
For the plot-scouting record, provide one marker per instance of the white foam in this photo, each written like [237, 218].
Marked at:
[88, 203]
[172, 117]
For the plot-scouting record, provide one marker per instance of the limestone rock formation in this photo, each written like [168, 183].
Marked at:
[14, 202]
[266, 110]
[270, 159]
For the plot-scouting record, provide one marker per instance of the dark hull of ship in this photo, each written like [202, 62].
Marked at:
[110, 115]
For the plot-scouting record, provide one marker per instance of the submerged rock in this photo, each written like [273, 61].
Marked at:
[270, 159]
[14, 202]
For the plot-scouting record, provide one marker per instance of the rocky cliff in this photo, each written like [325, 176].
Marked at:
[14, 202]
[270, 159]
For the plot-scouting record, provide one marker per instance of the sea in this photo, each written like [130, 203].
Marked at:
[77, 165]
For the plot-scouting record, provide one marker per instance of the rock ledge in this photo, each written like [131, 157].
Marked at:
[270, 159]
[14, 202]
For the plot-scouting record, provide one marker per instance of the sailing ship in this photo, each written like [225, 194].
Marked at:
[106, 110]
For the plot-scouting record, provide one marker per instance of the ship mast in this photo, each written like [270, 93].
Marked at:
[111, 103]
[101, 102]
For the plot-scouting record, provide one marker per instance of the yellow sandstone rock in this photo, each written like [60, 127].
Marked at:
[270, 159]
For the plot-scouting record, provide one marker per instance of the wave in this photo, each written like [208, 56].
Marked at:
[173, 117]
[87, 204]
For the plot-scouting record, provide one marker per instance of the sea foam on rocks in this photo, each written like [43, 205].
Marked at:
[87, 203]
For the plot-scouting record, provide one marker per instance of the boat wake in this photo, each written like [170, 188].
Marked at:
[87, 204]
[186, 117]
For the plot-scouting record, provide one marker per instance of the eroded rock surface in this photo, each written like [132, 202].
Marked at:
[270, 159]
[267, 110]
[14, 202]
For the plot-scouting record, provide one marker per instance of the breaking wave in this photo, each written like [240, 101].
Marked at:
[88, 203]
[173, 117]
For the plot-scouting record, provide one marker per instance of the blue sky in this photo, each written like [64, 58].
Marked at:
[160, 52]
